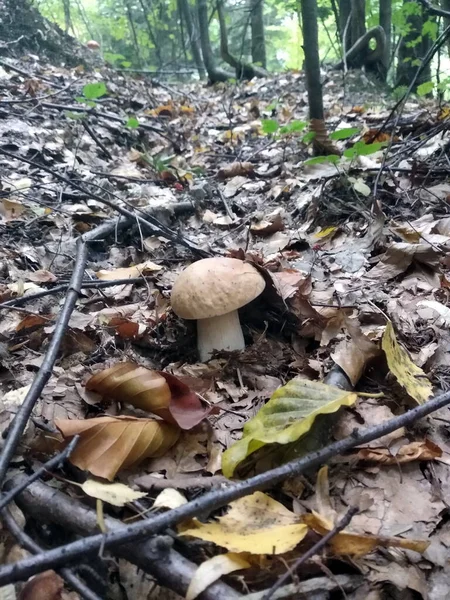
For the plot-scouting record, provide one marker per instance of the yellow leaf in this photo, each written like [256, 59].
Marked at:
[355, 544]
[289, 414]
[117, 494]
[211, 570]
[409, 375]
[256, 524]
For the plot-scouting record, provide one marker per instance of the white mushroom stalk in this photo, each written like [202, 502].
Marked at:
[219, 333]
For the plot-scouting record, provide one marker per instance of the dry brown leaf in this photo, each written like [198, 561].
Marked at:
[425, 450]
[45, 586]
[235, 169]
[108, 444]
[354, 354]
[155, 391]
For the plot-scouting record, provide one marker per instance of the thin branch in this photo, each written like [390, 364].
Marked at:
[23, 414]
[312, 551]
[29, 544]
[434, 10]
[147, 221]
[215, 499]
[54, 462]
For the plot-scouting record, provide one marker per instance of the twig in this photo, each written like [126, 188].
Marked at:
[96, 139]
[54, 462]
[225, 203]
[215, 499]
[156, 556]
[29, 544]
[23, 414]
[14, 302]
[147, 221]
[312, 551]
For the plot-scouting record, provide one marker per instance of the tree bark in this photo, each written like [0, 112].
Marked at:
[215, 74]
[258, 37]
[312, 64]
[193, 37]
[358, 20]
[345, 11]
[243, 70]
[445, 5]
[385, 18]
[410, 55]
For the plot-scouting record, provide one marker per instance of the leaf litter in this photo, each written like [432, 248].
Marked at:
[352, 284]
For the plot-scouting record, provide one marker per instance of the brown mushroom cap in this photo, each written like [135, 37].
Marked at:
[215, 286]
[93, 45]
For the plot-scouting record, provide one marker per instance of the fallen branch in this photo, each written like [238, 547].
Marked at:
[29, 544]
[213, 500]
[155, 556]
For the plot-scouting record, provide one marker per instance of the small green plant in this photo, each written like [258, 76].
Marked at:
[425, 88]
[132, 123]
[92, 92]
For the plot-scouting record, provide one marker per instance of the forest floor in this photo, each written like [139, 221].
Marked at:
[354, 255]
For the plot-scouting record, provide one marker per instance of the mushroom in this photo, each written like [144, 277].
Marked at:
[93, 45]
[211, 291]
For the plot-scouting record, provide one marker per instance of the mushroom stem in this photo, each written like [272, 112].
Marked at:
[219, 333]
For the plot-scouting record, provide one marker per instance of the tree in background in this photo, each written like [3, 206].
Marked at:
[258, 35]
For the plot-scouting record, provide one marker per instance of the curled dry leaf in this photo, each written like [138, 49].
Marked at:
[154, 391]
[355, 544]
[426, 450]
[45, 586]
[108, 444]
[235, 169]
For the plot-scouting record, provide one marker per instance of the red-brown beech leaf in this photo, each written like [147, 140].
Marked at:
[161, 393]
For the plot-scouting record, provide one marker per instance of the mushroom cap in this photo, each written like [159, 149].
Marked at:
[215, 286]
[93, 45]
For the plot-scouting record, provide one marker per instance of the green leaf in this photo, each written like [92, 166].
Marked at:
[297, 126]
[125, 64]
[362, 149]
[344, 134]
[92, 91]
[425, 88]
[132, 123]
[80, 99]
[308, 137]
[269, 125]
[289, 415]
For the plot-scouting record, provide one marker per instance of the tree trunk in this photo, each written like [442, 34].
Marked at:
[151, 34]
[243, 70]
[193, 37]
[358, 20]
[410, 55]
[215, 74]
[445, 5]
[133, 33]
[258, 38]
[312, 64]
[345, 11]
[385, 17]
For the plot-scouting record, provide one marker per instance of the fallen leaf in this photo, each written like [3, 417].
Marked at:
[45, 586]
[289, 415]
[117, 494]
[211, 570]
[426, 450]
[256, 524]
[129, 272]
[409, 375]
[108, 444]
[169, 498]
[235, 169]
[155, 391]
[442, 310]
[355, 544]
